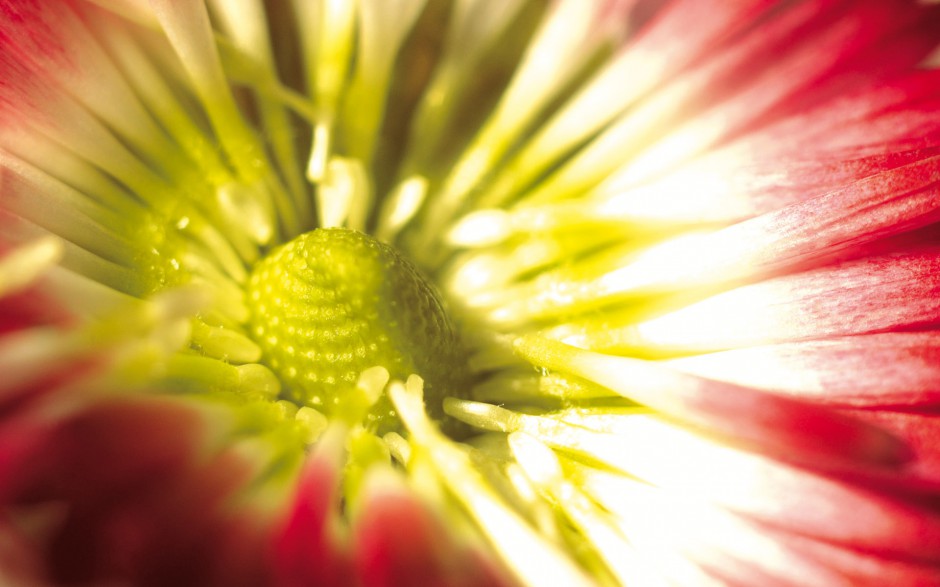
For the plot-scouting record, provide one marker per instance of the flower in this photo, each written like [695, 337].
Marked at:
[470, 292]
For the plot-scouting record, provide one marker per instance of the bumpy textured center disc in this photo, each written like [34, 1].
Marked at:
[334, 302]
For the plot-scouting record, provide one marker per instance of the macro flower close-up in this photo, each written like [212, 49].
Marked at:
[469, 293]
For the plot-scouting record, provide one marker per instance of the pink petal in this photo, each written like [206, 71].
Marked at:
[20, 563]
[28, 306]
[819, 228]
[27, 309]
[777, 494]
[871, 295]
[859, 568]
[733, 91]
[743, 552]
[890, 369]
[143, 503]
[684, 30]
[770, 423]
[734, 184]
[311, 548]
[399, 542]
[21, 440]
[855, 119]
[892, 37]
[901, 199]
[27, 39]
[51, 53]
[797, 560]
[674, 38]
[920, 431]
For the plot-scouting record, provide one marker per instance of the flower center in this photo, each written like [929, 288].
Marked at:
[334, 302]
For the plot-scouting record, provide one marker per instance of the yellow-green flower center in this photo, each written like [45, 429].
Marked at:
[334, 302]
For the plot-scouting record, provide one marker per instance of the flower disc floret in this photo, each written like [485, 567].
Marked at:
[334, 302]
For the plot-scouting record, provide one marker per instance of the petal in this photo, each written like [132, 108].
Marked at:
[512, 538]
[676, 36]
[764, 489]
[311, 547]
[20, 563]
[145, 502]
[739, 550]
[22, 302]
[739, 87]
[775, 424]
[733, 184]
[920, 431]
[877, 294]
[887, 370]
[399, 541]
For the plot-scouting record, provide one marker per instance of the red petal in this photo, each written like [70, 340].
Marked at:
[399, 542]
[311, 547]
[920, 431]
[879, 206]
[871, 295]
[143, 504]
[791, 499]
[731, 185]
[26, 37]
[20, 563]
[743, 552]
[891, 369]
[734, 92]
[776, 425]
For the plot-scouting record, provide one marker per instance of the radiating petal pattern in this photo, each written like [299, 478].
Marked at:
[469, 292]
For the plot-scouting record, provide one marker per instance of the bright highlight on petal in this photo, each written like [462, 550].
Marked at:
[516, 543]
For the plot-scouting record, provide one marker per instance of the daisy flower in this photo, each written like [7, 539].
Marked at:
[469, 292]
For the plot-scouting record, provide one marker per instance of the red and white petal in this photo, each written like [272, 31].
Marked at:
[147, 492]
[773, 424]
[399, 541]
[312, 547]
[897, 369]
[764, 489]
[877, 294]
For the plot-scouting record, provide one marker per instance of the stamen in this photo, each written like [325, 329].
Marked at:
[224, 343]
[474, 29]
[401, 207]
[344, 195]
[328, 60]
[479, 229]
[205, 375]
[383, 27]
[313, 421]
[247, 210]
